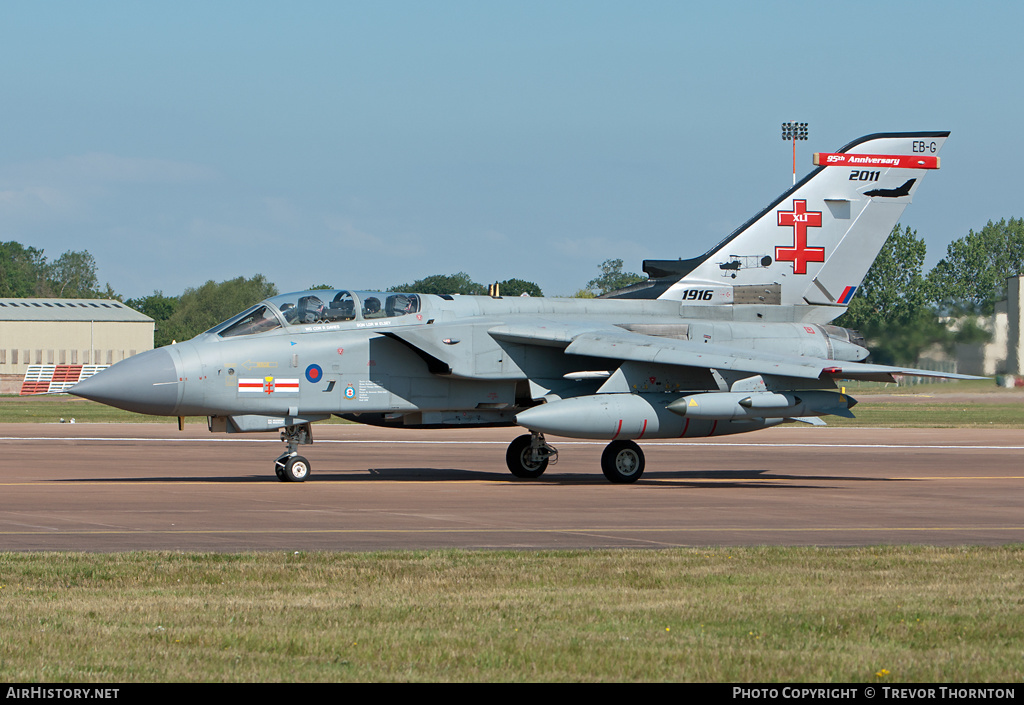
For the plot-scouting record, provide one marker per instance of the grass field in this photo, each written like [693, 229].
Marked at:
[882, 615]
[932, 415]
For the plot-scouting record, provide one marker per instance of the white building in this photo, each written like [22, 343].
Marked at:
[67, 332]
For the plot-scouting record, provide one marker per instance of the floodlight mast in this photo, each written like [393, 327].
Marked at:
[793, 131]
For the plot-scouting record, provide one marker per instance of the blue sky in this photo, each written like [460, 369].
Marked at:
[369, 144]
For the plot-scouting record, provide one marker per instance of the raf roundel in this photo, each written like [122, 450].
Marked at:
[314, 373]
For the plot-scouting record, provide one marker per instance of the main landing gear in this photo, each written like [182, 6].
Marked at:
[290, 466]
[622, 462]
[528, 456]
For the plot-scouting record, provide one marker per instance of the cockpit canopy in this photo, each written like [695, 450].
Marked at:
[318, 307]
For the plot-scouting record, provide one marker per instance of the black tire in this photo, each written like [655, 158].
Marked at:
[622, 462]
[279, 470]
[296, 469]
[517, 457]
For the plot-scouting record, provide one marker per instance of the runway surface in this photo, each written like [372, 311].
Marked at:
[100, 487]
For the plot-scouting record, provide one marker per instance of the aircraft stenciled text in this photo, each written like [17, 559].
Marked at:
[895, 161]
[864, 175]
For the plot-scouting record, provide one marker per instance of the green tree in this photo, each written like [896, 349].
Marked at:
[156, 305]
[109, 293]
[202, 308]
[518, 287]
[894, 307]
[972, 276]
[74, 275]
[894, 290]
[613, 278]
[159, 308]
[459, 283]
[22, 270]
[25, 273]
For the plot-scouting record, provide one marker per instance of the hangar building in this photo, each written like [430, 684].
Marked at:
[62, 331]
[1003, 355]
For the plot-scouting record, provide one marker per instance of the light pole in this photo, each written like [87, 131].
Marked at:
[794, 131]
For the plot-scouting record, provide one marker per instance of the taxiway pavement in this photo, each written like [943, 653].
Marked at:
[107, 487]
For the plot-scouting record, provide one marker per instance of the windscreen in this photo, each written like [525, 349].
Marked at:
[256, 320]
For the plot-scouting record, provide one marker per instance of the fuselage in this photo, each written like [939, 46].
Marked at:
[425, 360]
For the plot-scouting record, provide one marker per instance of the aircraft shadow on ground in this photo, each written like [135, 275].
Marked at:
[701, 478]
[704, 479]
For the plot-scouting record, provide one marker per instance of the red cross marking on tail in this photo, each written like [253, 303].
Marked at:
[800, 254]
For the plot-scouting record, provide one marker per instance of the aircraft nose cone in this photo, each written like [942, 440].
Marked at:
[146, 383]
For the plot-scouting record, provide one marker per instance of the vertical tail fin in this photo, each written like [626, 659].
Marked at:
[815, 244]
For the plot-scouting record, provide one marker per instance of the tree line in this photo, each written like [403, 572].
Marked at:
[899, 308]
[902, 310]
[26, 273]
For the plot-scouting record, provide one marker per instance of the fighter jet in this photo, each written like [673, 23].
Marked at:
[696, 350]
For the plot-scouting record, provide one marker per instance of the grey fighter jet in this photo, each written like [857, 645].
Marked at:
[735, 340]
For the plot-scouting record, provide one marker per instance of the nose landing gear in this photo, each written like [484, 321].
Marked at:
[290, 466]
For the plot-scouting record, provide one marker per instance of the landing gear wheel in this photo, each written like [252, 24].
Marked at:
[294, 469]
[519, 458]
[290, 466]
[622, 462]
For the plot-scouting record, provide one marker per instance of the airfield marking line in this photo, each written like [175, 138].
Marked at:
[520, 530]
[610, 535]
[653, 444]
[37, 528]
